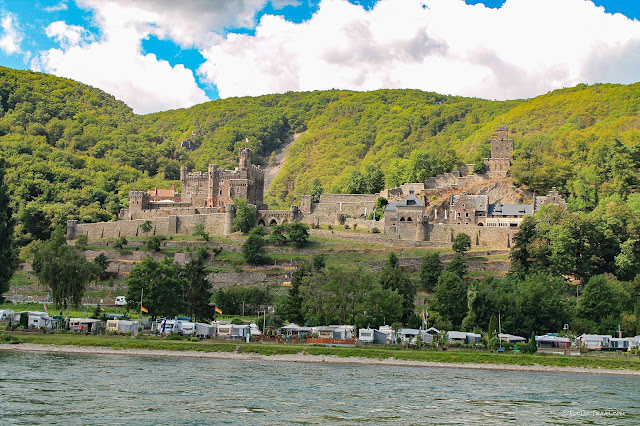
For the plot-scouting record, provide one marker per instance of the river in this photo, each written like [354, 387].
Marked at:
[48, 388]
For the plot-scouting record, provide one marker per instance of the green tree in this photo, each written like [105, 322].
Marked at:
[298, 233]
[160, 284]
[121, 242]
[146, 226]
[245, 218]
[8, 254]
[199, 231]
[458, 266]
[197, 290]
[64, 271]
[395, 278]
[461, 243]
[540, 305]
[451, 297]
[82, 241]
[602, 298]
[154, 242]
[430, 270]
[102, 263]
[253, 249]
[316, 190]
[278, 234]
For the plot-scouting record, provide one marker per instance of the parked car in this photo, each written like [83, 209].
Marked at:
[120, 301]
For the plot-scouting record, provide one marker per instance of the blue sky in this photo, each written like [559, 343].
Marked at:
[162, 54]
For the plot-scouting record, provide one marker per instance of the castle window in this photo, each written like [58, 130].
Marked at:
[409, 219]
[411, 202]
[402, 219]
[221, 192]
[466, 214]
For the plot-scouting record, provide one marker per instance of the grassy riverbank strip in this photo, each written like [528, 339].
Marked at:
[614, 362]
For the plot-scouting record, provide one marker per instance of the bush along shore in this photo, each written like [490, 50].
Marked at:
[146, 345]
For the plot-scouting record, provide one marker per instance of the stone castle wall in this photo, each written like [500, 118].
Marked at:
[215, 224]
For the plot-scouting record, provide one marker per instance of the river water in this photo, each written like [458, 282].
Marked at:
[37, 388]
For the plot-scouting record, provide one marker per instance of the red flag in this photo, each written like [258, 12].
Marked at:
[45, 307]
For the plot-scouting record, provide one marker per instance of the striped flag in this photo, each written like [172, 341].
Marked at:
[45, 307]
[218, 310]
[102, 307]
[143, 309]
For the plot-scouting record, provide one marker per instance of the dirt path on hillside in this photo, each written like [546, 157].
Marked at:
[270, 173]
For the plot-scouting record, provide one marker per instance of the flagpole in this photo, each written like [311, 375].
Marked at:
[141, 294]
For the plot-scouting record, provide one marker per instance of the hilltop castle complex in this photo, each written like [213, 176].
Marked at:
[429, 212]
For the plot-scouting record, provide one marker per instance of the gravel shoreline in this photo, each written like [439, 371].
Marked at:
[304, 358]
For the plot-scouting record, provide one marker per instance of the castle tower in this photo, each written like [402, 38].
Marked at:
[245, 159]
[501, 145]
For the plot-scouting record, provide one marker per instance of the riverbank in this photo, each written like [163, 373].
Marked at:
[115, 345]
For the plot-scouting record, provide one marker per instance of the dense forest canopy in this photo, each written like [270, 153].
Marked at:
[73, 151]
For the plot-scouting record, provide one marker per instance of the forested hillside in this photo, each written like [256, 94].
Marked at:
[75, 152]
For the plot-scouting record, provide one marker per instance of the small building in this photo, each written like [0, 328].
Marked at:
[205, 331]
[324, 332]
[409, 335]
[594, 342]
[551, 341]
[366, 335]
[463, 338]
[426, 338]
[122, 326]
[383, 336]
[620, 344]
[187, 328]
[223, 327]
[239, 331]
[7, 315]
[510, 338]
[84, 325]
[255, 330]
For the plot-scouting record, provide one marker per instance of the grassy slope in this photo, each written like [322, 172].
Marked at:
[120, 342]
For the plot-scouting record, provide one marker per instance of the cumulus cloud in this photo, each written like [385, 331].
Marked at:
[523, 49]
[67, 35]
[11, 38]
[115, 63]
[194, 23]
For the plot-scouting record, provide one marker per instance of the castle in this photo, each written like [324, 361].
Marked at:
[208, 192]
[415, 211]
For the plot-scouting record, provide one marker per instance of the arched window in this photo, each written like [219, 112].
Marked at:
[402, 219]
[273, 222]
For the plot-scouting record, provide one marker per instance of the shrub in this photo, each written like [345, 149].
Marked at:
[82, 241]
[375, 230]
[121, 242]
[346, 226]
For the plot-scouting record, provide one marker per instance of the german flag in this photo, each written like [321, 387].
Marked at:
[143, 309]
[218, 310]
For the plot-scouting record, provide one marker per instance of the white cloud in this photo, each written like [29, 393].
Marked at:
[67, 35]
[523, 49]
[11, 38]
[195, 23]
[57, 8]
[115, 63]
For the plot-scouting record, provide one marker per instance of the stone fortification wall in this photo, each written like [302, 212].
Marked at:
[453, 179]
[215, 224]
[480, 236]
